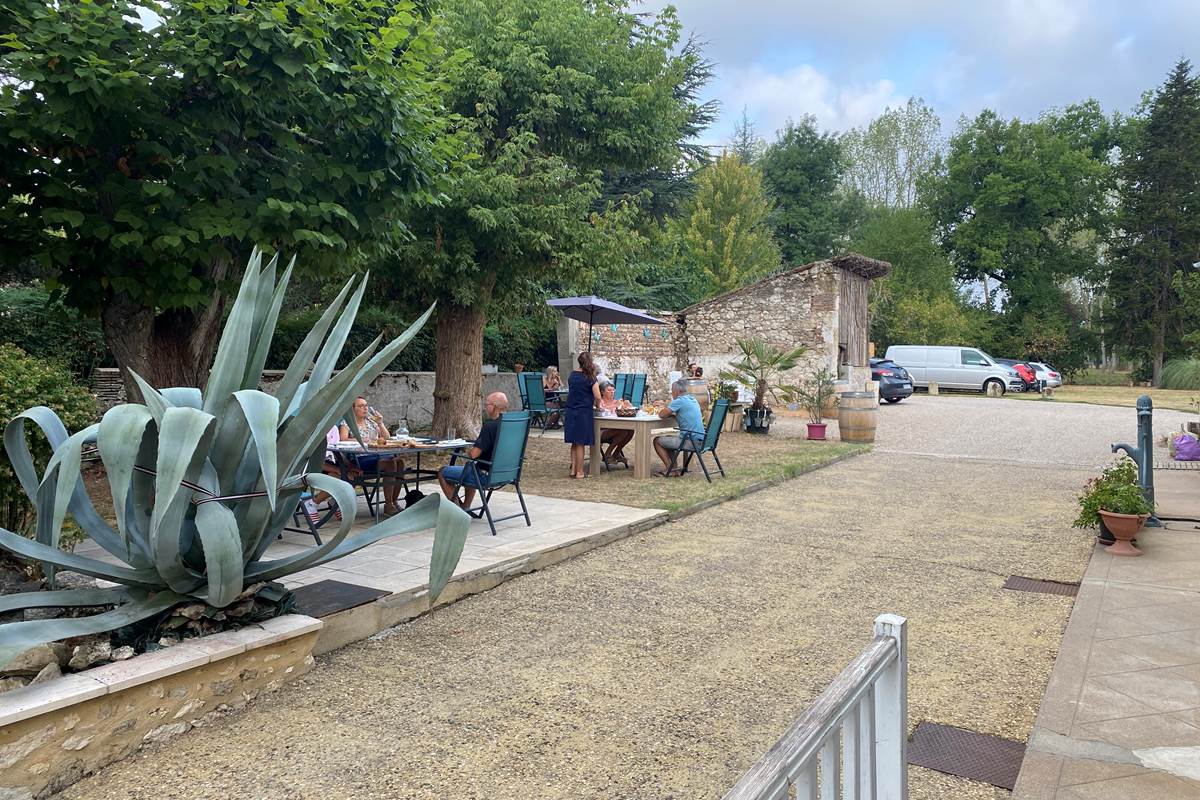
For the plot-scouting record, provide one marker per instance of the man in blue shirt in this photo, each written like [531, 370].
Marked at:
[687, 415]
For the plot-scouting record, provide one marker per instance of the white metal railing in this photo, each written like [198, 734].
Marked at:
[850, 743]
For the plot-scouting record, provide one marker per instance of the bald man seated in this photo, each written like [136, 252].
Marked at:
[471, 475]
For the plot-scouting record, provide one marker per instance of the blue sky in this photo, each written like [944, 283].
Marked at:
[844, 62]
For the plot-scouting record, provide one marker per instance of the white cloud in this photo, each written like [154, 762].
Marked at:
[772, 98]
[1040, 21]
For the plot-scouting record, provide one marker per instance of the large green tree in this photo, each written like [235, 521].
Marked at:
[802, 170]
[140, 160]
[887, 160]
[553, 95]
[1157, 232]
[723, 232]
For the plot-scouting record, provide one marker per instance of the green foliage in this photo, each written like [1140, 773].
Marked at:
[760, 367]
[551, 94]
[723, 232]
[888, 160]
[522, 339]
[1156, 235]
[1116, 490]
[43, 327]
[802, 170]
[745, 143]
[204, 481]
[1181, 373]
[136, 160]
[371, 322]
[815, 394]
[1101, 377]
[28, 381]
[940, 319]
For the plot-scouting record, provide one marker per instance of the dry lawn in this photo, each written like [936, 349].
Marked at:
[1178, 399]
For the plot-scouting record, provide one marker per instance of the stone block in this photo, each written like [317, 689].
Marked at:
[40, 698]
[149, 666]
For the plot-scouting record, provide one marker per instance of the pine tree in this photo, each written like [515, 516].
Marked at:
[1158, 225]
[745, 143]
[723, 233]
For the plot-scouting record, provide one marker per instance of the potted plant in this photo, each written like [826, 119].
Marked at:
[815, 394]
[1114, 501]
[726, 389]
[759, 368]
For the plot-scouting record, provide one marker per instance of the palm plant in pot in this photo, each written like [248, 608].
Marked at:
[759, 368]
[815, 394]
[1114, 501]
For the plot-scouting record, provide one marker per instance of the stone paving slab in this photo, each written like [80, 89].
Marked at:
[1177, 492]
[1121, 714]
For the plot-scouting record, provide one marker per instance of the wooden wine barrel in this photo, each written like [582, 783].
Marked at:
[698, 388]
[856, 416]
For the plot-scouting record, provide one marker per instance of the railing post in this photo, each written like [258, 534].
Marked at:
[891, 713]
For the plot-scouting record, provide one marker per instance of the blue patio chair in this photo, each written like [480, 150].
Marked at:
[303, 521]
[637, 388]
[536, 404]
[521, 390]
[621, 385]
[503, 470]
[712, 435]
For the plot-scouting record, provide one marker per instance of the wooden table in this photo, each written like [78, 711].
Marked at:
[643, 425]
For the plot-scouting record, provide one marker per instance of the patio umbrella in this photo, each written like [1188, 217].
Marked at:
[598, 311]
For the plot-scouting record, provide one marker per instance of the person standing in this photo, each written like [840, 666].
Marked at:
[583, 395]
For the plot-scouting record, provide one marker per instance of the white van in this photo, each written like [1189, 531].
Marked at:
[954, 367]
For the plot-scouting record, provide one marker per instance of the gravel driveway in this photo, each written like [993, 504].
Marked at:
[661, 666]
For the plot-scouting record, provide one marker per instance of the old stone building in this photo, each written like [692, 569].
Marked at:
[822, 306]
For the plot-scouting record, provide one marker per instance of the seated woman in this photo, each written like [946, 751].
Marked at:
[616, 440]
[373, 429]
[552, 382]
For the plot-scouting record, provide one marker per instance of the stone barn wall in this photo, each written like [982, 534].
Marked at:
[652, 349]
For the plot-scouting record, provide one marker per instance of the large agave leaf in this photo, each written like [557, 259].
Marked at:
[28, 548]
[183, 440]
[186, 396]
[17, 637]
[224, 567]
[336, 341]
[261, 412]
[303, 359]
[57, 487]
[233, 351]
[154, 400]
[81, 507]
[120, 440]
[265, 327]
[65, 598]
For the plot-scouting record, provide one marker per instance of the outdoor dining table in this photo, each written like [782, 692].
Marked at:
[344, 450]
[643, 427]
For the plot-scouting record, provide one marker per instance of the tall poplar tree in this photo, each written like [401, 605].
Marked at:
[1157, 233]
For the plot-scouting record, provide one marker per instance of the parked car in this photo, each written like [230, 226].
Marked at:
[1047, 374]
[1025, 370]
[894, 382]
[954, 368]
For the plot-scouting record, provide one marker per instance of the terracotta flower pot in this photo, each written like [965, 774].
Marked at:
[816, 431]
[1123, 528]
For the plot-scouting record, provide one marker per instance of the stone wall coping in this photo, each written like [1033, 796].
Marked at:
[41, 698]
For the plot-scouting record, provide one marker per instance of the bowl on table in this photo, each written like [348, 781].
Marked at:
[627, 412]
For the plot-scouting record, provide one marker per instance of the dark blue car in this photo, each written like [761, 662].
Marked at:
[895, 384]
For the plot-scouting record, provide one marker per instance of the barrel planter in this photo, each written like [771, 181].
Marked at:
[698, 388]
[856, 416]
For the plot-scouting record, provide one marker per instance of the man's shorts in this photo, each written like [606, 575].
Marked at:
[673, 443]
[465, 475]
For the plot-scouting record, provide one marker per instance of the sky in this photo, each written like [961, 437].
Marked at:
[845, 62]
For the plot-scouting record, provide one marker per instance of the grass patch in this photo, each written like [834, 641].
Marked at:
[1126, 396]
[748, 459]
[1100, 377]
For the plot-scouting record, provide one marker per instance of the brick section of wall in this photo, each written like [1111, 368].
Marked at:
[790, 309]
[652, 349]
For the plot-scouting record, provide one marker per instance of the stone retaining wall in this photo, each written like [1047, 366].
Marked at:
[52, 734]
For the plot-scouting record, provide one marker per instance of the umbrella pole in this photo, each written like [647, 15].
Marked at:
[591, 327]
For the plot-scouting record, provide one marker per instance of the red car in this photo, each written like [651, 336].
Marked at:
[1027, 373]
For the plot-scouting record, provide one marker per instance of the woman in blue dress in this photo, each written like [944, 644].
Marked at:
[583, 395]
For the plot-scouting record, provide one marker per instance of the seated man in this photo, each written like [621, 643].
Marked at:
[485, 445]
[690, 421]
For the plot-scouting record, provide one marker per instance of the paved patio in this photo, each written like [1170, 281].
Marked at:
[1121, 714]
[401, 563]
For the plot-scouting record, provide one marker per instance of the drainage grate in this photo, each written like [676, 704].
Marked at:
[1022, 584]
[967, 754]
[323, 598]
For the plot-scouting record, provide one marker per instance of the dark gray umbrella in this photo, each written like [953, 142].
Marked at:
[598, 311]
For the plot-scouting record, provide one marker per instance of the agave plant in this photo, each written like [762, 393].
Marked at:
[203, 481]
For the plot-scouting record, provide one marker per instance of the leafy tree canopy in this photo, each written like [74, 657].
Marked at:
[887, 160]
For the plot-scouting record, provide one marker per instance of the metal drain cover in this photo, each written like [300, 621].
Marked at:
[323, 598]
[1022, 584]
[967, 754]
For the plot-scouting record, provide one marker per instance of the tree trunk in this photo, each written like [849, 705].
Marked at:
[987, 299]
[1160, 337]
[458, 386]
[171, 348]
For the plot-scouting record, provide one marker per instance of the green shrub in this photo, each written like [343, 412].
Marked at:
[44, 328]
[1116, 490]
[1181, 373]
[26, 381]
[1101, 377]
[372, 321]
[529, 340]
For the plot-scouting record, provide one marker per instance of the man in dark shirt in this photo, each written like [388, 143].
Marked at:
[471, 475]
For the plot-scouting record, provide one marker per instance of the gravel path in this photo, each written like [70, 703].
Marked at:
[661, 666]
